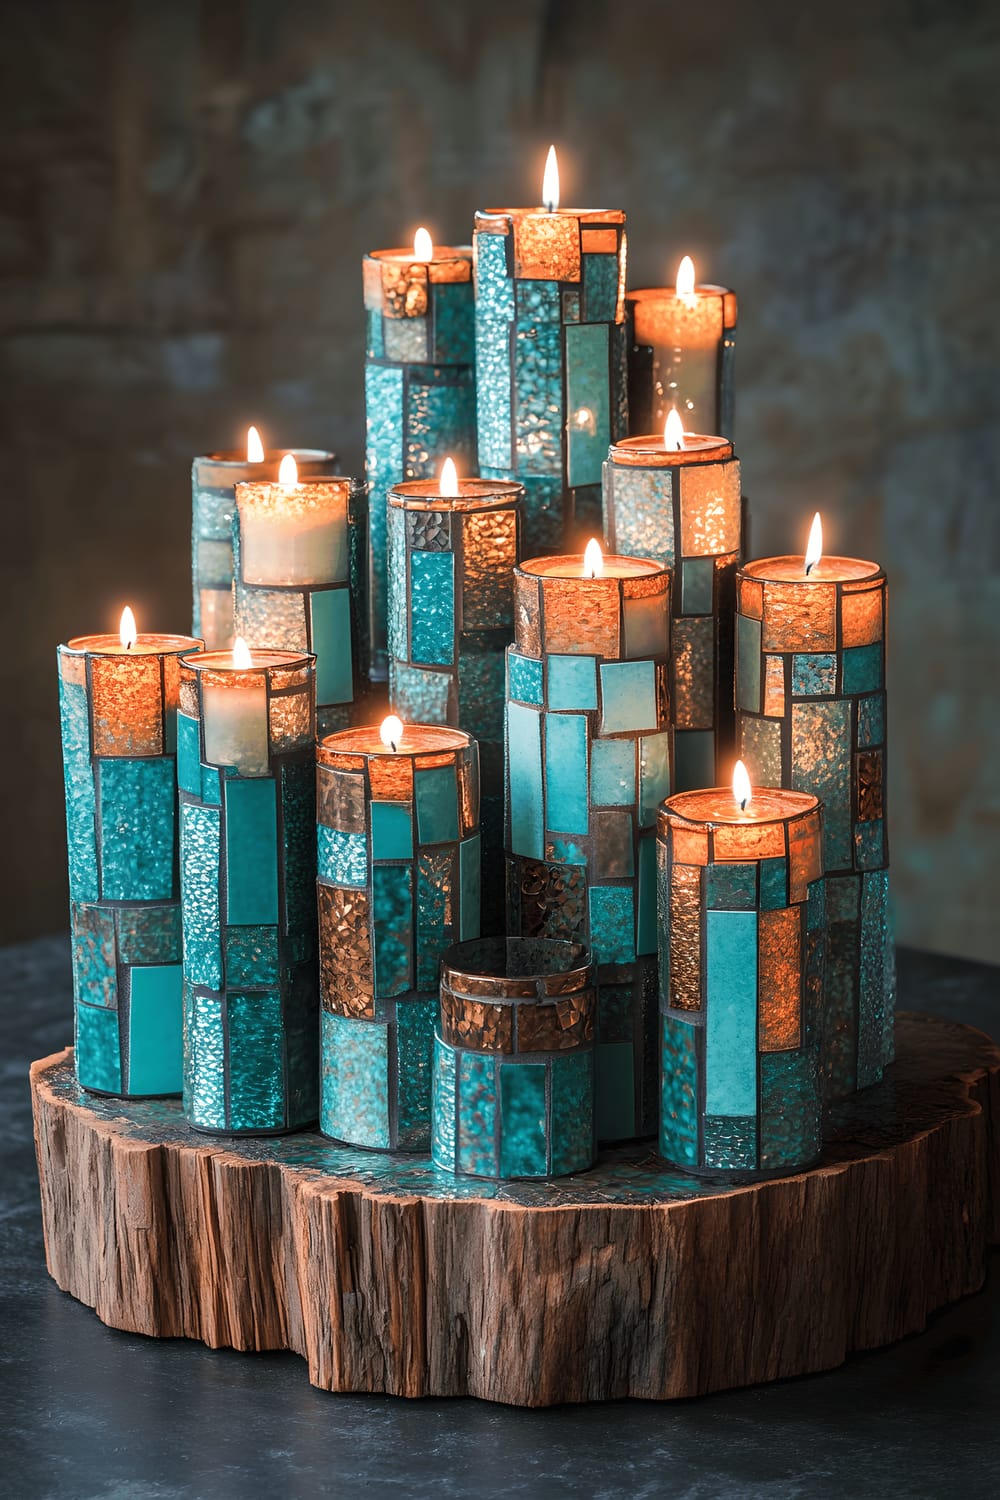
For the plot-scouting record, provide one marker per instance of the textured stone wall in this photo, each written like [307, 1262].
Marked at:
[187, 190]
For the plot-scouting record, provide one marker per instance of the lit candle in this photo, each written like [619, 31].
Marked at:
[298, 544]
[245, 770]
[213, 507]
[675, 496]
[588, 763]
[397, 883]
[681, 344]
[420, 386]
[742, 940]
[811, 714]
[118, 699]
[550, 354]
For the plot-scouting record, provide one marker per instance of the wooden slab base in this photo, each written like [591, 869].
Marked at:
[626, 1281]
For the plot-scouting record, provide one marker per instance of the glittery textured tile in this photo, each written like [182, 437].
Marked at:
[419, 695]
[494, 313]
[599, 297]
[272, 617]
[523, 1134]
[790, 1111]
[572, 1113]
[730, 1144]
[861, 617]
[204, 1061]
[490, 552]
[638, 511]
[392, 906]
[871, 986]
[340, 799]
[477, 1099]
[95, 974]
[524, 678]
[414, 1037]
[731, 887]
[342, 858]
[821, 764]
[814, 674]
[582, 617]
[454, 323]
[79, 783]
[138, 829]
[779, 962]
[481, 692]
[759, 742]
[800, 617]
[871, 720]
[383, 468]
[436, 874]
[298, 818]
[805, 856]
[354, 1082]
[868, 771]
[440, 420]
[684, 934]
[397, 621]
[679, 1103]
[693, 644]
[406, 340]
[443, 1086]
[559, 1025]
[200, 850]
[774, 686]
[612, 924]
[256, 1062]
[588, 401]
[432, 608]
[710, 507]
[537, 396]
[251, 957]
[546, 247]
[547, 900]
[345, 951]
[149, 934]
[869, 845]
[98, 1049]
[126, 705]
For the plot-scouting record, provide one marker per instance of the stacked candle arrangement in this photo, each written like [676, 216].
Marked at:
[265, 884]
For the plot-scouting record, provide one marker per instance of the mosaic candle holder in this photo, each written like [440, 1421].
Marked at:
[684, 508]
[299, 559]
[811, 714]
[398, 883]
[245, 763]
[741, 904]
[118, 709]
[589, 758]
[550, 358]
[681, 352]
[420, 388]
[514, 1060]
[213, 506]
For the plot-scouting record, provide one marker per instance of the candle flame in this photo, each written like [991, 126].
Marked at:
[288, 471]
[449, 479]
[742, 789]
[814, 546]
[593, 559]
[673, 432]
[423, 245]
[242, 660]
[685, 277]
[127, 633]
[391, 732]
[255, 448]
[550, 182]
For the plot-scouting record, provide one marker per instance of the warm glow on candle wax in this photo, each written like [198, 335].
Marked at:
[673, 432]
[685, 277]
[127, 633]
[593, 559]
[814, 546]
[742, 790]
[423, 245]
[391, 732]
[449, 480]
[288, 471]
[550, 183]
[255, 448]
[242, 660]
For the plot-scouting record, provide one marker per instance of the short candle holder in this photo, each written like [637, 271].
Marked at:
[681, 349]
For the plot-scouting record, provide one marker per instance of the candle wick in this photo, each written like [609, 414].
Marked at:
[392, 746]
[809, 568]
[743, 805]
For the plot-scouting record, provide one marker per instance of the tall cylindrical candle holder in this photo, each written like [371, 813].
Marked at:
[398, 883]
[811, 714]
[681, 504]
[514, 1060]
[118, 708]
[213, 506]
[248, 869]
[451, 618]
[741, 904]
[420, 388]
[589, 758]
[550, 358]
[299, 553]
[681, 348]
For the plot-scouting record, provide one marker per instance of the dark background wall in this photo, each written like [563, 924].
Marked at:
[185, 194]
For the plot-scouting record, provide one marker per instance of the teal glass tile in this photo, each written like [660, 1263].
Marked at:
[95, 958]
[731, 1014]
[731, 888]
[436, 795]
[419, 695]
[98, 1049]
[440, 419]
[443, 1106]
[523, 1136]
[843, 894]
[612, 772]
[524, 781]
[436, 876]
[790, 1110]
[432, 608]
[149, 934]
[761, 750]
[654, 775]
[628, 696]
[614, 1091]
[697, 585]
[773, 884]
[816, 905]
[476, 1150]
[537, 394]
[871, 721]
[469, 882]
[188, 755]
[155, 1030]
[392, 830]
[563, 851]
[646, 925]
[252, 957]
[383, 468]
[494, 300]
[138, 828]
[415, 1020]
[612, 924]
[481, 693]
[544, 508]
[730, 1144]
[256, 1061]
[81, 827]
[571, 1120]
[748, 666]
[374, 342]
[566, 773]
[639, 503]
[572, 682]
[330, 641]
[397, 623]
[588, 401]
[524, 677]
[211, 786]
[599, 302]
[251, 850]
[204, 1061]
[813, 674]
[454, 323]
[862, 670]
[821, 764]
[298, 833]
[354, 1083]
[679, 1099]
[871, 984]
[200, 895]
[392, 908]
[341, 858]
[869, 844]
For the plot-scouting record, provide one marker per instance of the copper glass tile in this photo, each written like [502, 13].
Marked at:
[490, 551]
[774, 687]
[779, 978]
[290, 717]
[689, 845]
[404, 289]
[126, 705]
[760, 747]
[748, 841]
[861, 617]
[751, 598]
[581, 616]
[602, 241]
[693, 641]
[685, 937]
[868, 764]
[547, 247]
[527, 617]
[711, 509]
[391, 778]
[340, 800]
[800, 617]
[805, 856]
[476, 1024]
[558, 1025]
[345, 952]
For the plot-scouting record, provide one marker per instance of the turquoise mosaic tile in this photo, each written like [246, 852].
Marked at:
[572, 682]
[494, 302]
[252, 957]
[383, 467]
[640, 503]
[748, 664]
[414, 1060]
[454, 323]
[330, 641]
[481, 693]
[566, 803]
[523, 1136]
[443, 1106]
[821, 764]
[155, 1030]
[149, 934]
[869, 844]
[646, 923]
[432, 608]
[732, 887]
[200, 847]
[251, 850]
[374, 342]
[628, 696]
[469, 865]
[697, 585]
[565, 851]
[188, 755]
[816, 906]
[654, 775]
[731, 1014]
[730, 1144]
[354, 1090]
[524, 799]
[98, 1049]
[612, 772]
[571, 1120]
[211, 786]
[298, 830]
[95, 961]
[862, 669]
[204, 1060]
[524, 678]
[418, 694]
[476, 1150]
[614, 1091]
[679, 1100]
[138, 828]
[773, 884]
[435, 880]
[871, 721]
[436, 796]
[588, 400]
[392, 905]
[871, 979]
[392, 830]
[341, 858]
[81, 831]
[538, 396]
[760, 741]
[599, 301]
[813, 675]
[397, 624]
[256, 1061]
[612, 924]
[790, 1110]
